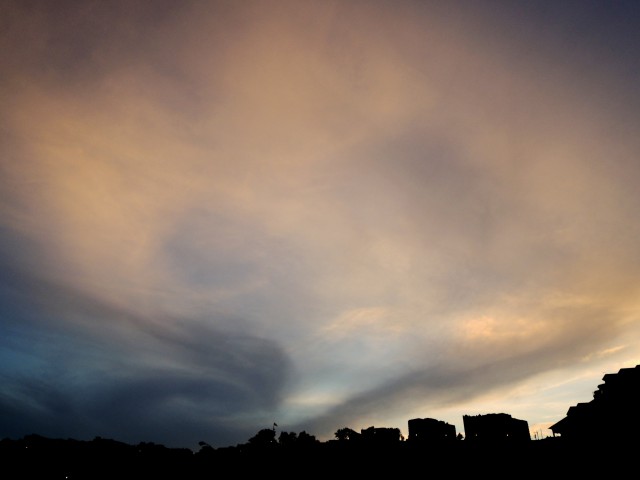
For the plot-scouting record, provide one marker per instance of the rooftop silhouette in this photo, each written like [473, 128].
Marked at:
[613, 414]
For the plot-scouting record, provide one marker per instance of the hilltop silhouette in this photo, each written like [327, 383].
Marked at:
[594, 437]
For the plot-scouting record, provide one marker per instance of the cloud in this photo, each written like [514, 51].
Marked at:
[478, 372]
[74, 365]
[358, 207]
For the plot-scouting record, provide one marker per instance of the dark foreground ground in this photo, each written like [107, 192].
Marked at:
[35, 457]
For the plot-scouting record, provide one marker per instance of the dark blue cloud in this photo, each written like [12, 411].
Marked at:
[73, 365]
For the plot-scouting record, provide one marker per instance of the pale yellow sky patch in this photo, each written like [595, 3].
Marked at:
[501, 330]
[365, 321]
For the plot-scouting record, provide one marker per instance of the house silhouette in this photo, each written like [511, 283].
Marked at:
[612, 415]
[430, 430]
[495, 427]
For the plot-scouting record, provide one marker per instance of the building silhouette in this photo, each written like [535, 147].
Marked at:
[495, 427]
[430, 430]
[612, 415]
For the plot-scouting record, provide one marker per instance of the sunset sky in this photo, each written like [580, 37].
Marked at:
[220, 215]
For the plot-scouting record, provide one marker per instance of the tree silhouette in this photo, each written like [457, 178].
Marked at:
[263, 438]
[288, 439]
[345, 433]
[306, 439]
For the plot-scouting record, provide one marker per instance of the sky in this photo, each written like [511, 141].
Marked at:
[217, 216]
